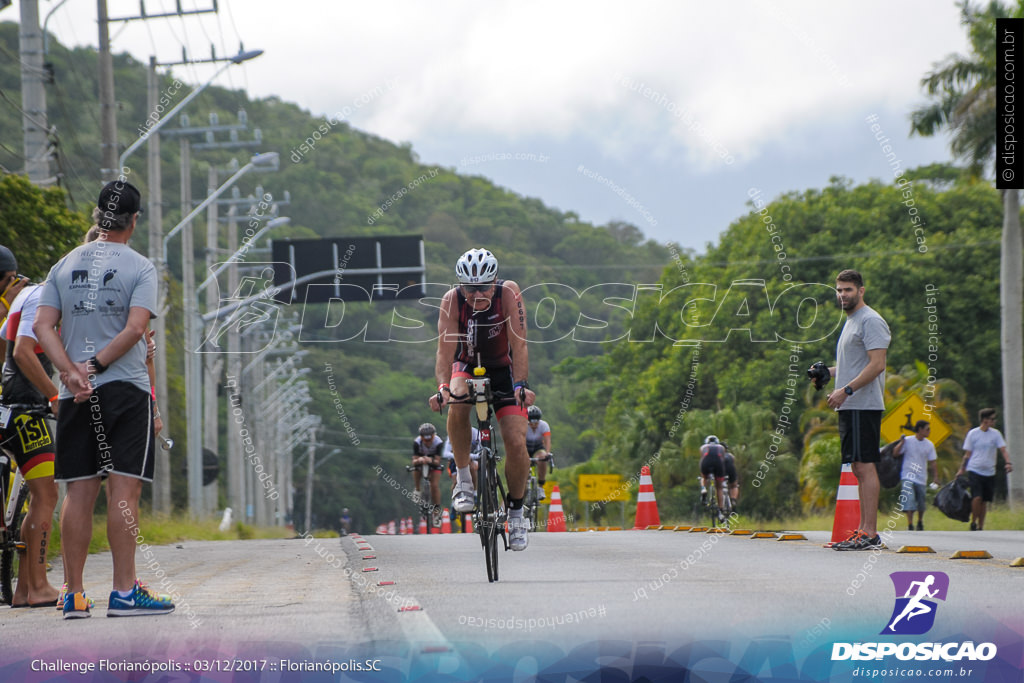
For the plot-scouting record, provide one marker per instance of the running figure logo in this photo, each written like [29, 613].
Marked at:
[914, 612]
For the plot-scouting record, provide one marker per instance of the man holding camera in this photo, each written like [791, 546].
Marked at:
[858, 398]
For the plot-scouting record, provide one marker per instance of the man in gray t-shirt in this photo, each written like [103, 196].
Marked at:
[102, 295]
[981, 446]
[860, 378]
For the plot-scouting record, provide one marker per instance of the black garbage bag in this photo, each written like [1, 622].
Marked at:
[889, 466]
[954, 500]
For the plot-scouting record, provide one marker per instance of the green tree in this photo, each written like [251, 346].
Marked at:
[36, 225]
[962, 101]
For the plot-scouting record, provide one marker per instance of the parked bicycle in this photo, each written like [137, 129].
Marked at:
[13, 502]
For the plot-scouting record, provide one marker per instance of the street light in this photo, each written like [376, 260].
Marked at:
[237, 59]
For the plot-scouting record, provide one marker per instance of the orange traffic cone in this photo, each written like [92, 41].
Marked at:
[556, 518]
[401, 527]
[468, 521]
[391, 528]
[446, 522]
[646, 506]
[423, 526]
[382, 529]
[847, 517]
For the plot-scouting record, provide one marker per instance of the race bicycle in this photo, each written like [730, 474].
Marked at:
[13, 502]
[719, 515]
[531, 503]
[490, 515]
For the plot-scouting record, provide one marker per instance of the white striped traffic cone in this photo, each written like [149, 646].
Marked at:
[556, 518]
[847, 517]
[646, 506]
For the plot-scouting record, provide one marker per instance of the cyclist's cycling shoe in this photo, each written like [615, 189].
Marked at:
[416, 497]
[518, 532]
[540, 493]
[435, 517]
[463, 497]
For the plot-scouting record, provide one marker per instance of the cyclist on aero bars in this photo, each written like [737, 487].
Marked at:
[426, 449]
[484, 316]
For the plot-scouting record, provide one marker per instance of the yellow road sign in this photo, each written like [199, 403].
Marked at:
[901, 419]
[602, 487]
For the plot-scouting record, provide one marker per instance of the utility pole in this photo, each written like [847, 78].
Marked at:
[162, 463]
[33, 97]
[309, 480]
[108, 107]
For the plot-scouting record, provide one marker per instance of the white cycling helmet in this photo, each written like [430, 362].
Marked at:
[477, 266]
[711, 439]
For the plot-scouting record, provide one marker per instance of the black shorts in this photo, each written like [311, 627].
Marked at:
[712, 464]
[501, 388]
[859, 434]
[981, 486]
[530, 450]
[30, 439]
[110, 432]
[730, 470]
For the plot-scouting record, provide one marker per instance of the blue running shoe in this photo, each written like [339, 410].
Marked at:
[142, 602]
[76, 606]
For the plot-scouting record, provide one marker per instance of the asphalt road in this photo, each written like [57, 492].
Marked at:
[571, 597]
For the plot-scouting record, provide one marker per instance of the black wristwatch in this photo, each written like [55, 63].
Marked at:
[848, 390]
[97, 365]
[521, 384]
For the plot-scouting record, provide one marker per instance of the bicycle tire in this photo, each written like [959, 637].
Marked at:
[489, 517]
[9, 559]
[534, 497]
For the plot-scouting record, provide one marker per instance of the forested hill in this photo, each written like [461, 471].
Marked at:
[342, 187]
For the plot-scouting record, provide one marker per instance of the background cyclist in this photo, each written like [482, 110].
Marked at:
[729, 460]
[474, 457]
[426, 450]
[712, 464]
[485, 317]
[538, 443]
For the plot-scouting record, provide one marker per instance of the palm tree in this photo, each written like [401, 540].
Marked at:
[962, 100]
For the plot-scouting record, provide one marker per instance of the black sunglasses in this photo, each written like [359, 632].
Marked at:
[478, 288]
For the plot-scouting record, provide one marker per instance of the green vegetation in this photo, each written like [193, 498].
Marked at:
[720, 348]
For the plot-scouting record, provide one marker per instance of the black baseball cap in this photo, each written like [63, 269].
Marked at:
[120, 197]
[7, 260]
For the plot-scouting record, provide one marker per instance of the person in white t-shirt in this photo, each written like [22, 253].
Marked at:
[979, 464]
[918, 455]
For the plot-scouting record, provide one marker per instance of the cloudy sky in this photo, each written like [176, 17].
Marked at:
[663, 114]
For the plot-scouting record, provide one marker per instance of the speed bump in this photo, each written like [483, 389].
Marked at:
[683, 528]
[915, 549]
[741, 532]
[718, 530]
[792, 537]
[698, 529]
[653, 527]
[762, 534]
[971, 555]
[1019, 562]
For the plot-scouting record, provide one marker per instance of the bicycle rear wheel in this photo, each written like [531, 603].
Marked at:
[9, 556]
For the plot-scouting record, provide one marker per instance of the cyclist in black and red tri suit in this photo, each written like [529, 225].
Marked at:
[485, 317]
[712, 464]
[426, 449]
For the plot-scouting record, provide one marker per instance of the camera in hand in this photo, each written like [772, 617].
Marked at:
[820, 374]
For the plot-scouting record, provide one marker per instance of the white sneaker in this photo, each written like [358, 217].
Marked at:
[518, 532]
[463, 497]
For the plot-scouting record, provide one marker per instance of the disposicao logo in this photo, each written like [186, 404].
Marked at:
[913, 615]
[916, 593]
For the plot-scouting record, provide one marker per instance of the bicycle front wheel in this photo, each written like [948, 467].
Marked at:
[489, 516]
[9, 555]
